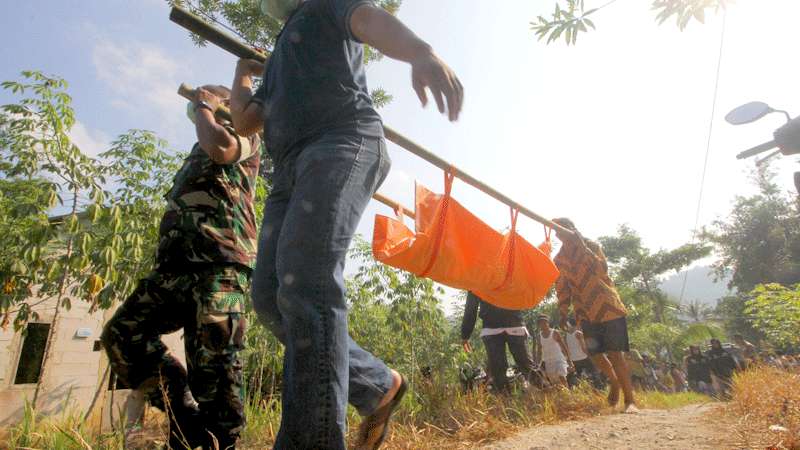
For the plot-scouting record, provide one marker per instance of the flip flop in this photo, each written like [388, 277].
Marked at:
[368, 439]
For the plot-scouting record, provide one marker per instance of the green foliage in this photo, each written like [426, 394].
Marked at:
[759, 241]
[41, 161]
[570, 20]
[686, 10]
[399, 316]
[638, 272]
[671, 341]
[697, 311]
[107, 239]
[775, 310]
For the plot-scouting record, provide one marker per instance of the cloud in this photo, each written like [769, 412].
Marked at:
[91, 142]
[142, 78]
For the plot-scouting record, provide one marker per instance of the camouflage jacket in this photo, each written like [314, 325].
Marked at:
[210, 216]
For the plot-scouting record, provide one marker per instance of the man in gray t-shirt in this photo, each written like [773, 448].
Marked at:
[326, 140]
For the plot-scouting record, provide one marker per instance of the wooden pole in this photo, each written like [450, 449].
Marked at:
[227, 42]
[223, 112]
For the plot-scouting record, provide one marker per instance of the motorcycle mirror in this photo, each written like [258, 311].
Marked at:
[747, 113]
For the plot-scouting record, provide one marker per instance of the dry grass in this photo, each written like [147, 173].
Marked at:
[763, 398]
[480, 418]
[431, 418]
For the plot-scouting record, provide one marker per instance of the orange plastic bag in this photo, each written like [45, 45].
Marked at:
[454, 247]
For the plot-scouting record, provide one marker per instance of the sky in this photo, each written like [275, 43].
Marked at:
[611, 131]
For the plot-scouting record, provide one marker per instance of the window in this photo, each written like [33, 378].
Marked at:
[32, 354]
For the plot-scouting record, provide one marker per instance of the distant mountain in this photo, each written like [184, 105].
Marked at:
[699, 286]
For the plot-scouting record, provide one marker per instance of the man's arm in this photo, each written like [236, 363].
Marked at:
[214, 139]
[376, 27]
[470, 317]
[246, 109]
[564, 295]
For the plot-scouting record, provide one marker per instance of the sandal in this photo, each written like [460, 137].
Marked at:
[378, 422]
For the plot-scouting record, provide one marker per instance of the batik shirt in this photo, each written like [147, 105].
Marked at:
[584, 283]
[210, 216]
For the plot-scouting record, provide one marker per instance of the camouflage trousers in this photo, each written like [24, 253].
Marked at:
[208, 303]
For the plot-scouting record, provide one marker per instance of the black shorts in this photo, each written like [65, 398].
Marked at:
[611, 336]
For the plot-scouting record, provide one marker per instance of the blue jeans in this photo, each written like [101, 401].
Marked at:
[318, 195]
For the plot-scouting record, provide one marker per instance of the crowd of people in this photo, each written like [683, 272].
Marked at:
[560, 359]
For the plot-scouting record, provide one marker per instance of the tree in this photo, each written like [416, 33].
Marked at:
[570, 20]
[638, 271]
[399, 316]
[775, 310]
[759, 241]
[89, 252]
[697, 311]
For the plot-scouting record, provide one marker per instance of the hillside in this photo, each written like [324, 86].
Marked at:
[699, 286]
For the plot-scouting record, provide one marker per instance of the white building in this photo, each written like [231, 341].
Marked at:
[76, 376]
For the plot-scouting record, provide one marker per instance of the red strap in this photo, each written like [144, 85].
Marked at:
[512, 247]
[448, 181]
[547, 232]
[437, 241]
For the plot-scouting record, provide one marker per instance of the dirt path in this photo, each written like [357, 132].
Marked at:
[689, 427]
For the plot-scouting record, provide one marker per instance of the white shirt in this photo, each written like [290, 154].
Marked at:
[511, 331]
[551, 351]
[576, 352]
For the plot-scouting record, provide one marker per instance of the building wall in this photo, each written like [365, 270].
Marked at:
[75, 370]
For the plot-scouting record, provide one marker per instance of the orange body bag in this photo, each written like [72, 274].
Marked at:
[454, 247]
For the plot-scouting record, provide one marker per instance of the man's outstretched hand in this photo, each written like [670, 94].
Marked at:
[428, 71]
[372, 25]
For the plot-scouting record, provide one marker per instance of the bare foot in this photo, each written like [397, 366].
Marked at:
[397, 380]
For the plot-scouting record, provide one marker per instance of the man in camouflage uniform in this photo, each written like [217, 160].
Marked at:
[205, 255]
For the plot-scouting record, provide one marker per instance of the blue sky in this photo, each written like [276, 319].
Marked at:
[610, 131]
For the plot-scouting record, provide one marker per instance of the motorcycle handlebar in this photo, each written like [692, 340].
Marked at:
[757, 149]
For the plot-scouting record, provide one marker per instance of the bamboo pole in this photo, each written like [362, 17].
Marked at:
[227, 42]
[187, 92]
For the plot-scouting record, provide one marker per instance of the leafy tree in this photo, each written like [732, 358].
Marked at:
[90, 252]
[399, 316]
[697, 311]
[638, 271]
[36, 146]
[759, 241]
[571, 19]
[775, 310]
[672, 341]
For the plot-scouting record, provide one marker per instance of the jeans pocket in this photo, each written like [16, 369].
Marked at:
[384, 163]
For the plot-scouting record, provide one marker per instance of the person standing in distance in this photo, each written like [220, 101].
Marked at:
[326, 141]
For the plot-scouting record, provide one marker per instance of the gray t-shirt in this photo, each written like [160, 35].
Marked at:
[314, 81]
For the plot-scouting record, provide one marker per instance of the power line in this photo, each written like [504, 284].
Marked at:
[708, 146]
